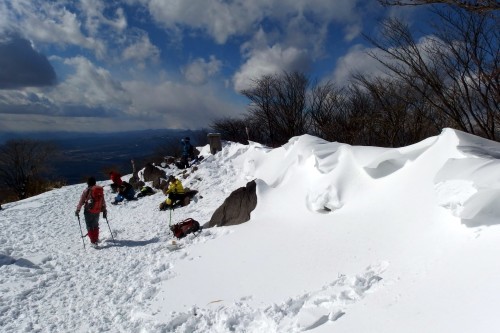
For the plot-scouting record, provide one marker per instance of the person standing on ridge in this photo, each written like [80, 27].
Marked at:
[187, 152]
[92, 200]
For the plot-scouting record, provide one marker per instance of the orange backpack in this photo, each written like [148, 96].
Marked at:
[95, 199]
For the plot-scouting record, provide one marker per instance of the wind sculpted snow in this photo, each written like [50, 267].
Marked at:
[343, 239]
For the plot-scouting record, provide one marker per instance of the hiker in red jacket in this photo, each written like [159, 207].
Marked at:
[116, 178]
[92, 200]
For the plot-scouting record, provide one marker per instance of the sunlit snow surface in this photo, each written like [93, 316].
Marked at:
[343, 239]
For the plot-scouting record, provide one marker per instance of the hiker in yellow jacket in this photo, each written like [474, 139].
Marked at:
[175, 192]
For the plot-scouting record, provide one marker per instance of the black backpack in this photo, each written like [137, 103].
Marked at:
[182, 229]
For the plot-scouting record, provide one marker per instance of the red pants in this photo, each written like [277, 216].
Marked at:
[93, 235]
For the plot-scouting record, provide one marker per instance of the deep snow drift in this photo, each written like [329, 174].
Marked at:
[343, 239]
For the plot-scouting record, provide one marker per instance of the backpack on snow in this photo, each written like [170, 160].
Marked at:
[95, 199]
[182, 229]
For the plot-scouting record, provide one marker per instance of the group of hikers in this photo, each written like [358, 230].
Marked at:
[93, 203]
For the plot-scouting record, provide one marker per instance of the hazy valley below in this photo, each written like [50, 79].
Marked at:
[89, 154]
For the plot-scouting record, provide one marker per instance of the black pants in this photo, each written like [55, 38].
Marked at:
[176, 196]
[184, 162]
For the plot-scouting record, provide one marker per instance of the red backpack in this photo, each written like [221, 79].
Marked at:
[95, 199]
[185, 227]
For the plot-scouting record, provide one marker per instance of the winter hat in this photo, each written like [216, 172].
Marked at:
[186, 138]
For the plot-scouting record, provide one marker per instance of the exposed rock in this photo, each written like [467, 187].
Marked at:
[136, 183]
[152, 173]
[160, 184]
[169, 160]
[236, 208]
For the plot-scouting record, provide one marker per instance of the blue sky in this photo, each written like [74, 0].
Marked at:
[119, 65]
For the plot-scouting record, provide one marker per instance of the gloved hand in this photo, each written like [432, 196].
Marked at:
[105, 214]
[77, 213]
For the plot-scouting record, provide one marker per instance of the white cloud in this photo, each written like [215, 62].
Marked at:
[88, 91]
[81, 24]
[359, 60]
[50, 22]
[222, 20]
[199, 70]
[269, 61]
[90, 87]
[142, 50]
[356, 60]
[95, 18]
[137, 104]
[219, 20]
[352, 31]
[177, 105]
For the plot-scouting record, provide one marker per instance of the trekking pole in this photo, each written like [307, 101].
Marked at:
[106, 218]
[170, 221]
[81, 233]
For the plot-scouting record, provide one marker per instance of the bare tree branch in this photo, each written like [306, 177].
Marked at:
[470, 5]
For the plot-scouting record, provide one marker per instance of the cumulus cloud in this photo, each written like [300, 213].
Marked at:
[360, 59]
[89, 91]
[141, 50]
[28, 102]
[357, 60]
[218, 19]
[199, 70]
[224, 19]
[269, 61]
[22, 66]
[94, 16]
[89, 24]
[50, 22]
[90, 87]
[177, 105]
[89, 97]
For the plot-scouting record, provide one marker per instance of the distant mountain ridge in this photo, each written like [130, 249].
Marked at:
[65, 135]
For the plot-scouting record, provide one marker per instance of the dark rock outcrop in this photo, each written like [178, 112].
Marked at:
[236, 208]
[153, 174]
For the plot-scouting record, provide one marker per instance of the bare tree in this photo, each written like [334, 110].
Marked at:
[328, 109]
[400, 115]
[22, 164]
[231, 129]
[470, 5]
[278, 102]
[261, 99]
[290, 91]
[456, 71]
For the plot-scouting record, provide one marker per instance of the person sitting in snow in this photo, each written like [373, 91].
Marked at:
[91, 218]
[116, 179]
[175, 192]
[125, 191]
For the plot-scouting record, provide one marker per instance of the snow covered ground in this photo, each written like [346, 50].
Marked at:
[343, 239]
